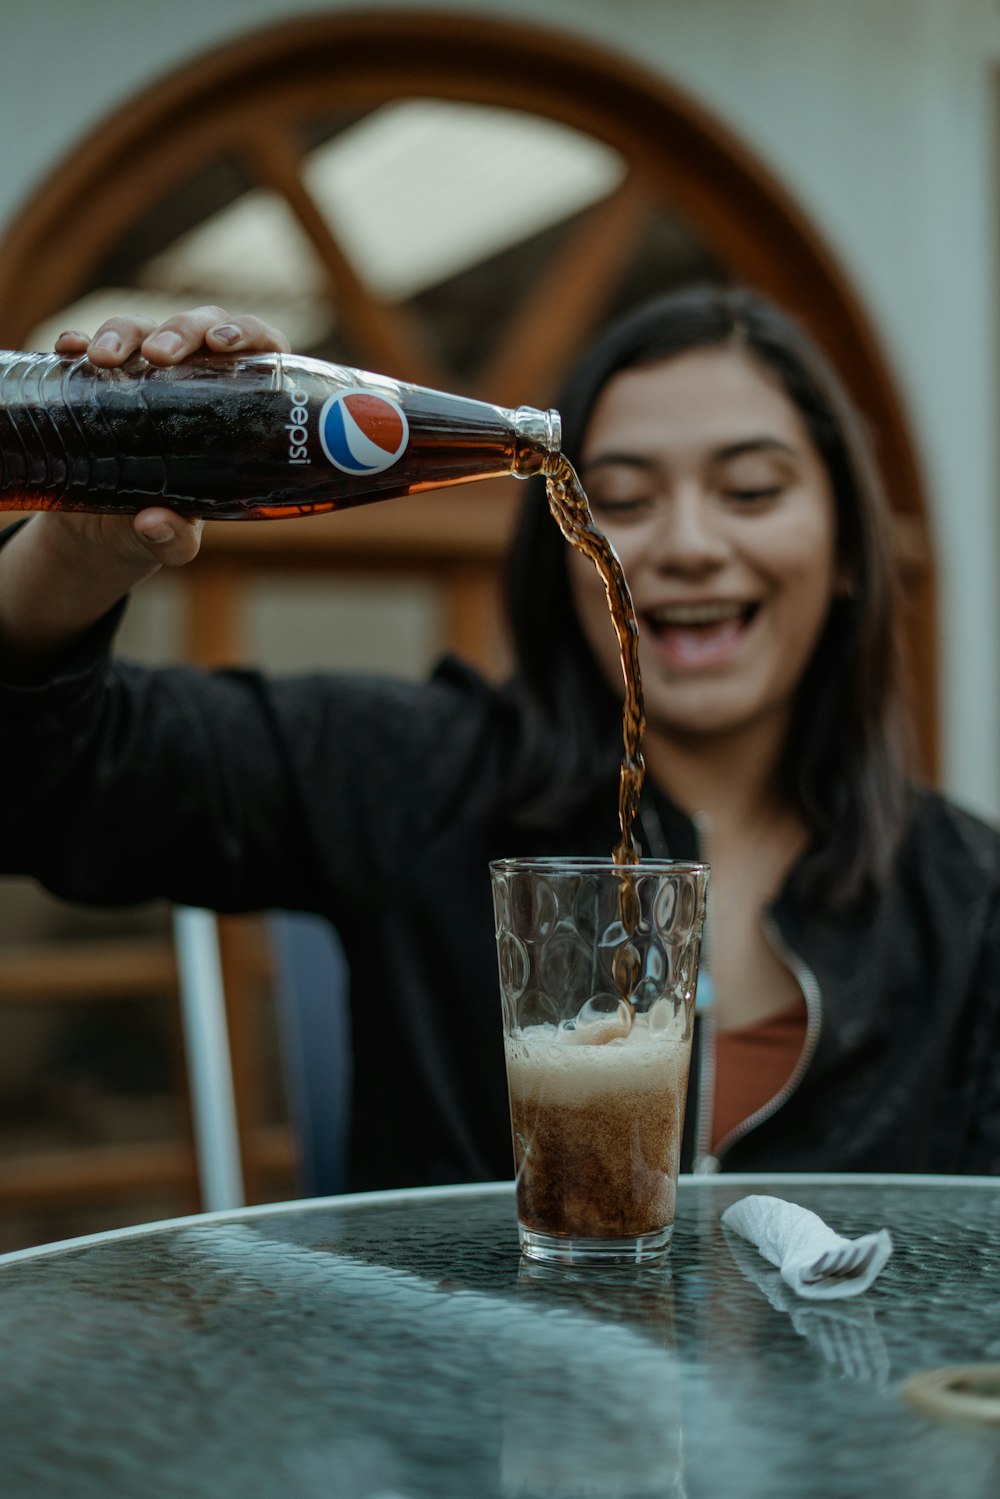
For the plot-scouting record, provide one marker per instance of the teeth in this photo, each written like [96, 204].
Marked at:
[696, 614]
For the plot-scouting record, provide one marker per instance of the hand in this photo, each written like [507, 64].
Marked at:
[117, 339]
[156, 536]
[63, 570]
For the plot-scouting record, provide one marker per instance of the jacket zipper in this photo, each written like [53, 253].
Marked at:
[706, 1160]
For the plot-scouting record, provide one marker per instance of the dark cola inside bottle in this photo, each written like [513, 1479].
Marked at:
[242, 438]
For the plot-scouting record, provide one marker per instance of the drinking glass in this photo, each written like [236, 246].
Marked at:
[598, 969]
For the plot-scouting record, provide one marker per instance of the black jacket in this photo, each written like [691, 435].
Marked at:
[377, 804]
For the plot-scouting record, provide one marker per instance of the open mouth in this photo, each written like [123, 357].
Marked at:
[698, 634]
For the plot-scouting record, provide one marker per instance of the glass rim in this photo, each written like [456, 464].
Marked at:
[593, 864]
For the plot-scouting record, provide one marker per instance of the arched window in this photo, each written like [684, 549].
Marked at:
[452, 200]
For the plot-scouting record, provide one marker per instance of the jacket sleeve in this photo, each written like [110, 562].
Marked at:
[224, 789]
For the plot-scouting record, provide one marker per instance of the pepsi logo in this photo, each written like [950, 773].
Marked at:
[362, 432]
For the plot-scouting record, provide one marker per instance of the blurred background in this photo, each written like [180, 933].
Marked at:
[459, 195]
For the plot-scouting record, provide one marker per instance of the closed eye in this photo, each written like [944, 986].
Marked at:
[748, 496]
[601, 505]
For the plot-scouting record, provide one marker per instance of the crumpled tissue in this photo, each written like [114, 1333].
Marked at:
[814, 1260]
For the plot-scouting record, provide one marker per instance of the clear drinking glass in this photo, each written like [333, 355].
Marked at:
[598, 969]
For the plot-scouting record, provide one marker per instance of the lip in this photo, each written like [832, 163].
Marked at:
[697, 634]
[705, 604]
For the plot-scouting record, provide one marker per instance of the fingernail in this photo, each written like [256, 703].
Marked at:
[73, 333]
[166, 343]
[110, 343]
[227, 333]
[159, 534]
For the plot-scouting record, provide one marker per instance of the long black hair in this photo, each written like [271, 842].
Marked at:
[846, 759]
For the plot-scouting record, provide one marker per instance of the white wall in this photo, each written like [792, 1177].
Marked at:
[878, 114]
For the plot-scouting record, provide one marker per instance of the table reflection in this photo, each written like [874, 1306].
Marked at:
[396, 1347]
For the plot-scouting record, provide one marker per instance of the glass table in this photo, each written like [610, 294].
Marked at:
[393, 1346]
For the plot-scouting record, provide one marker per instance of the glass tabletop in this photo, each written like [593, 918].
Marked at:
[394, 1346]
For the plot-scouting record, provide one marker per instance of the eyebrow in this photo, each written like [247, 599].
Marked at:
[614, 459]
[755, 445]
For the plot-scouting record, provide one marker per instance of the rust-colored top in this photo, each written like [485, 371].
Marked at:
[752, 1064]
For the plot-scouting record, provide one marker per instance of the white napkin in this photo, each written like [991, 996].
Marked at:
[804, 1249]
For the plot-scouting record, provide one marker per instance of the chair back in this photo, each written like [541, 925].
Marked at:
[314, 1016]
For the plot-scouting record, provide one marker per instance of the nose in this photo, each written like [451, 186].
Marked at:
[687, 537]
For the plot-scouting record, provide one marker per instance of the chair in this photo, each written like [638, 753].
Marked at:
[314, 1025]
[314, 1016]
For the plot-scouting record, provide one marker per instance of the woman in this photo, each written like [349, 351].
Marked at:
[723, 460]
[853, 1022]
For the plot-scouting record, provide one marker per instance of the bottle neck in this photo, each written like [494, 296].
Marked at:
[538, 438]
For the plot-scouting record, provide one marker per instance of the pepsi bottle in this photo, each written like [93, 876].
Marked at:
[264, 436]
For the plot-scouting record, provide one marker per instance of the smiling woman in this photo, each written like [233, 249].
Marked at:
[856, 917]
[724, 461]
[703, 475]
[725, 464]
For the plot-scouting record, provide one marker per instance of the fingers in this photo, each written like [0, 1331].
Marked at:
[72, 342]
[169, 538]
[113, 343]
[214, 329]
[246, 335]
[169, 342]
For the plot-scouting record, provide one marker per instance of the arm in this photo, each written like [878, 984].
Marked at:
[118, 784]
[225, 789]
[61, 573]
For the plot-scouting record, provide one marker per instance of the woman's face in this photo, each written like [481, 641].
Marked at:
[702, 474]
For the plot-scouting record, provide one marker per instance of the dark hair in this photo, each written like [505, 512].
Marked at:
[846, 757]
